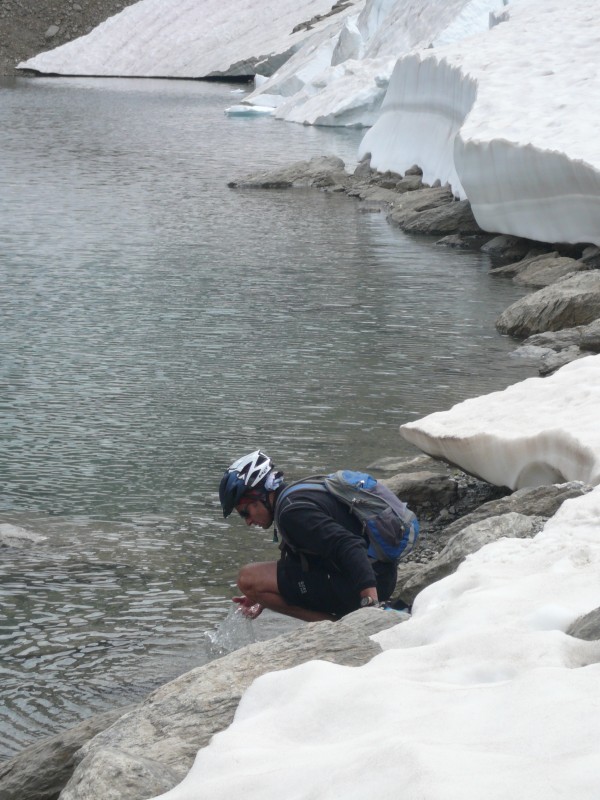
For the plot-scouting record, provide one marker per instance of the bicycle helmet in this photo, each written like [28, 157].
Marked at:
[247, 473]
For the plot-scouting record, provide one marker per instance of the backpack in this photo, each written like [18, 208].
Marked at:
[390, 526]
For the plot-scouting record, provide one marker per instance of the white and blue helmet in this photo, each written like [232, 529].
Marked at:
[244, 475]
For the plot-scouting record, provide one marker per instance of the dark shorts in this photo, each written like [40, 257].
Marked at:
[322, 590]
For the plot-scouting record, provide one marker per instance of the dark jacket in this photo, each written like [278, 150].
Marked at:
[319, 529]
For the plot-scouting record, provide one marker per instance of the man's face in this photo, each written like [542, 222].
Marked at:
[254, 512]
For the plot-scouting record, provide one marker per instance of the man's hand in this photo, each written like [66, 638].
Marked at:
[247, 607]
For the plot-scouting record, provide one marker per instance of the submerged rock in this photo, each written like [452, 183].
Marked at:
[318, 172]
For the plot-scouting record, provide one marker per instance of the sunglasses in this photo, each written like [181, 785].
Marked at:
[243, 513]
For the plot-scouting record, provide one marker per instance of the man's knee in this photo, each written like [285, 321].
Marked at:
[246, 580]
[254, 578]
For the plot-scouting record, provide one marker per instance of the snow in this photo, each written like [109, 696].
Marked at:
[340, 76]
[480, 694]
[506, 118]
[539, 431]
[188, 39]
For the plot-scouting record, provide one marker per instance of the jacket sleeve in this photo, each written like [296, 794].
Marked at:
[309, 529]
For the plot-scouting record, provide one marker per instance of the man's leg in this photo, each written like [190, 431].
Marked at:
[258, 582]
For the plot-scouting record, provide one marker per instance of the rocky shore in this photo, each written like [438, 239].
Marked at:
[140, 751]
[557, 323]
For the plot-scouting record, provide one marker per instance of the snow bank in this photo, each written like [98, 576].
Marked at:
[539, 431]
[340, 76]
[190, 39]
[479, 694]
[507, 119]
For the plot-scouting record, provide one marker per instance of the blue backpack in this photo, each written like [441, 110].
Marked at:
[389, 525]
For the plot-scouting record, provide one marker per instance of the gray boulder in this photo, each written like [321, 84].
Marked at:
[40, 771]
[533, 501]
[591, 256]
[452, 217]
[554, 349]
[574, 300]
[587, 627]
[469, 540]
[506, 248]
[461, 241]
[410, 203]
[545, 271]
[152, 747]
[552, 361]
[516, 267]
[428, 492]
[319, 172]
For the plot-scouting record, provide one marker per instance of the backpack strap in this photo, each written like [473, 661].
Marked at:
[306, 484]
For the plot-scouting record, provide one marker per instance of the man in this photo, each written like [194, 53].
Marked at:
[324, 571]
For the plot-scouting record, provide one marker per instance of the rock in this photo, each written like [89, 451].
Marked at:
[571, 301]
[469, 540]
[425, 493]
[51, 32]
[553, 349]
[460, 241]
[364, 171]
[587, 627]
[156, 743]
[591, 256]
[374, 194]
[40, 771]
[408, 464]
[538, 501]
[414, 170]
[319, 172]
[15, 536]
[516, 267]
[454, 216]
[407, 204]
[545, 271]
[590, 337]
[506, 248]
[552, 361]
[113, 774]
[555, 340]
